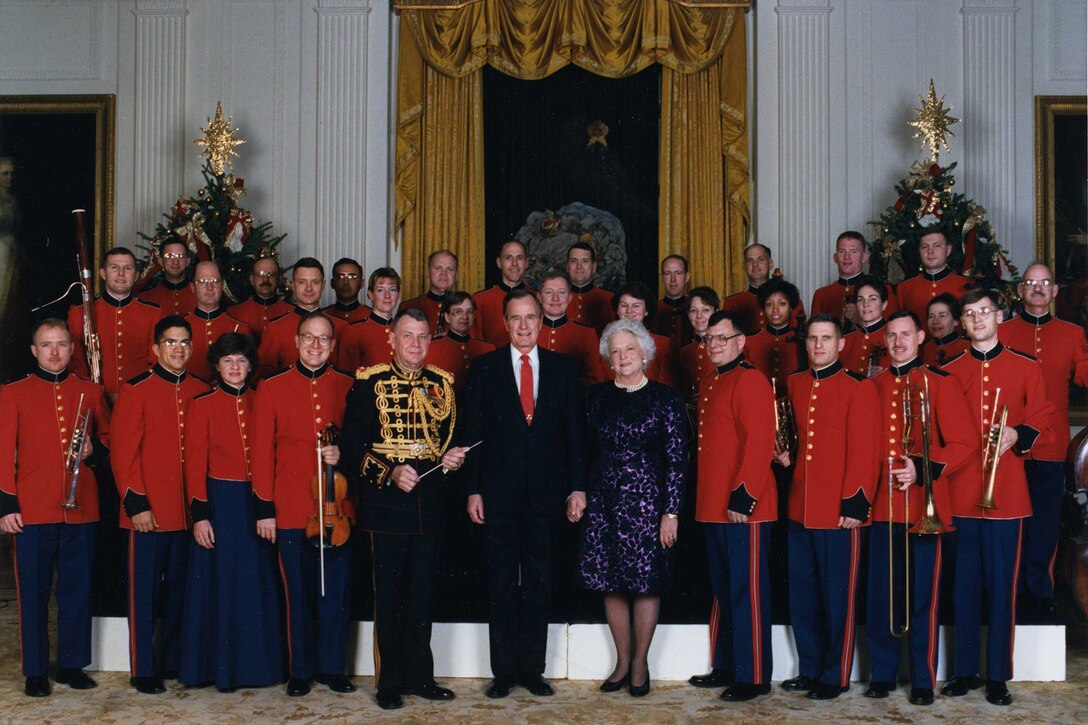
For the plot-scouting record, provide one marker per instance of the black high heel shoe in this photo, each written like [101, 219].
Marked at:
[639, 690]
[615, 685]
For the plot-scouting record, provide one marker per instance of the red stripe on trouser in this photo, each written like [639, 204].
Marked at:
[846, 662]
[753, 602]
[18, 601]
[934, 623]
[132, 601]
[1050, 567]
[1015, 579]
[713, 627]
[287, 603]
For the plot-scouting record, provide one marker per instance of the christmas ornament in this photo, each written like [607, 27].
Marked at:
[932, 124]
[218, 140]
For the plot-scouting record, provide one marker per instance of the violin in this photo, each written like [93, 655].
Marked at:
[329, 524]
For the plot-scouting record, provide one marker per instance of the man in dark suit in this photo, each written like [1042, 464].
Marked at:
[525, 404]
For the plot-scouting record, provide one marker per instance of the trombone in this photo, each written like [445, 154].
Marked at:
[991, 452]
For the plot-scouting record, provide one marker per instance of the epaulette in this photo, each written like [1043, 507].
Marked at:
[954, 358]
[342, 371]
[856, 376]
[582, 324]
[141, 377]
[277, 319]
[276, 373]
[1021, 354]
[205, 395]
[367, 373]
[444, 374]
[148, 304]
[197, 377]
[937, 371]
[747, 365]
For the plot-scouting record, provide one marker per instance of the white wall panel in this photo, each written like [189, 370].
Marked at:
[70, 50]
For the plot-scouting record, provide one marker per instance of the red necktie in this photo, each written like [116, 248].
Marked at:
[527, 389]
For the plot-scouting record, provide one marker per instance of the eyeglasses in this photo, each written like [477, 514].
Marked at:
[321, 340]
[982, 313]
[345, 275]
[1044, 283]
[460, 313]
[721, 339]
[175, 255]
[172, 343]
[210, 282]
[267, 275]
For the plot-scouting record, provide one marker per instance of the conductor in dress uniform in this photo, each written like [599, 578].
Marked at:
[526, 405]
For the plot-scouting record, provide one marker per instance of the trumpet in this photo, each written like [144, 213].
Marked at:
[785, 426]
[991, 452]
[75, 453]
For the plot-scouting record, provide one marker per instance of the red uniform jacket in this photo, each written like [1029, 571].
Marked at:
[126, 329]
[591, 305]
[258, 313]
[1022, 389]
[836, 465]
[172, 299]
[489, 324]
[148, 451]
[37, 415]
[777, 353]
[693, 365]
[671, 321]
[217, 443]
[351, 313]
[454, 353]
[953, 443]
[207, 327]
[365, 343]
[1061, 348]
[278, 346]
[915, 293]
[735, 444]
[746, 304]
[291, 408]
[861, 345]
[938, 351]
[831, 299]
[575, 340]
[662, 368]
[431, 305]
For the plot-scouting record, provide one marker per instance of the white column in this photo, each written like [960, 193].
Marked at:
[341, 129]
[160, 135]
[804, 191]
[989, 111]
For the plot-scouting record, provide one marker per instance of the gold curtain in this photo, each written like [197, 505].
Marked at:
[439, 155]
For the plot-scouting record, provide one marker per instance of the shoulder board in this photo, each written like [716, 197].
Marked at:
[147, 304]
[746, 365]
[367, 373]
[205, 394]
[582, 324]
[277, 373]
[141, 377]
[444, 374]
[342, 371]
[23, 379]
[937, 371]
[856, 376]
[279, 317]
[197, 378]
[1021, 354]
[954, 358]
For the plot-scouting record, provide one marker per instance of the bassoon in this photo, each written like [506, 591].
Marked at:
[86, 285]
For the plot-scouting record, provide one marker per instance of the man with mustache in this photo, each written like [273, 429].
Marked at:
[265, 305]
[347, 279]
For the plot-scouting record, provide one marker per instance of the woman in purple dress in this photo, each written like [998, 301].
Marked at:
[639, 440]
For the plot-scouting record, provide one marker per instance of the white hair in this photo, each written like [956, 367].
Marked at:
[645, 340]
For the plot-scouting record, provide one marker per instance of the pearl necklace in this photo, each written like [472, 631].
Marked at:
[632, 388]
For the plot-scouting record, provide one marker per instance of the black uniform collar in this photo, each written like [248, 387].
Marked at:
[168, 376]
[879, 324]
[675, 301]
[308, 373]
[302, 311]
[175, 286]
[114, 302]
[52, 378]
[581, 290]
[1033, 320]
[233, 391]
[915, 362]
[266, 301]
[753, 289]
[723, 369]
[508, 289]
[557, 322]
[938, 276]
[349, 307]
[404, 373]
[375, 317]
[204, 315]
[848, 281]
[457, 337]
[437, 298]
[947, 339]
[825, 373]
[987, 356]
[779, 331]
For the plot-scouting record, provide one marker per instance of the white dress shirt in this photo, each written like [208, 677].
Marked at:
[534, 363]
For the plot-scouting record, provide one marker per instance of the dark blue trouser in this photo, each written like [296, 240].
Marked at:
[157, 561]
[737, 558]
[317, 626]
[987, 559]
[1046, 487]
[405, 567]
[823, 595]
[41, 548]
[925, 594]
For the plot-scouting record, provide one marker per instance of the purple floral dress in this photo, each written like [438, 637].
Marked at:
[638, 441]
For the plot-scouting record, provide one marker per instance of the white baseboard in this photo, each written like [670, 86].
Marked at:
[584, 651]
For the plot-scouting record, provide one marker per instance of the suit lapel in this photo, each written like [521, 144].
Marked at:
[509, 384]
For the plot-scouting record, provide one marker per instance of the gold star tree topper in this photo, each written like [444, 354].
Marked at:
[219, 141]
[933, 122]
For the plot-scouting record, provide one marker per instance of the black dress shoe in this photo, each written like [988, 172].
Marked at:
[148, 685]
[958, 686]
[37, 686]
[997, 693]
[615, 685]
[799, 684]
[921, 696]
[717, 677]
[823, 691]
[430, 691]
[537, 685]
[639, 690]
[744, 691]
[389, 698]
[298, 686]
[498, 688]
[336, 683]
[75, 678]
[226, 690]
[879, 690]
